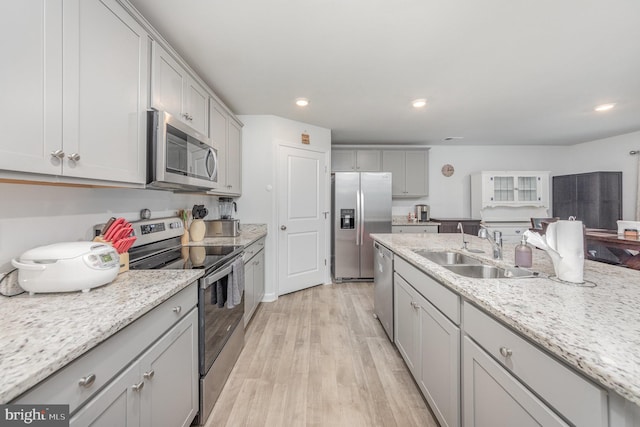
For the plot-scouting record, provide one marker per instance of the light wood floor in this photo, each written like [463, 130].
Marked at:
[318, 357]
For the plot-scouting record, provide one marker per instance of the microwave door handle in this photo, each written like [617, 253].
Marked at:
[212, 154]
[209, 280]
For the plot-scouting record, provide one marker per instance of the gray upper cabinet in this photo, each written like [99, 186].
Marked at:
[173, 90]
[410, 172]
[355, 160]
[226, 137]
[79, 71]
[32, 86]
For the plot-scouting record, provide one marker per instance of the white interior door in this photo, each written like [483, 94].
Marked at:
[301, 199]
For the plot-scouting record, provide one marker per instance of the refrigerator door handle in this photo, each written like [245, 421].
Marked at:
[362, 217]
[357, 218]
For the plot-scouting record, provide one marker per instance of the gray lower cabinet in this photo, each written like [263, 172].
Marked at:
[494, 398]
[430, 345]
[157, 389]
[414, 228]
[406, 322]
[144, 375]
[253, 278]
[497, 378]
[577, 399]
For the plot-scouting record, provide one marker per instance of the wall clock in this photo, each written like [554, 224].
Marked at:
[447, 170]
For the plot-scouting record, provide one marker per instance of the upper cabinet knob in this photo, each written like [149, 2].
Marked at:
[58, 153]
[74, 156]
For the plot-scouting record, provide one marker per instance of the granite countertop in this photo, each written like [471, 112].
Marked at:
[249, 233]
[595, 328]
[45, 332]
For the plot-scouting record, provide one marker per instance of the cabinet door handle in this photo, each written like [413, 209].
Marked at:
[505, 352]
[177, 309]
[58, 154]
[415, 304]
[137, 387]
[149, 374]
[74, 156]
[87, 381]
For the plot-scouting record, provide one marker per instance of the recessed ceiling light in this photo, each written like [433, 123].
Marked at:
[302, 102]
[604, 107]
[419, 103]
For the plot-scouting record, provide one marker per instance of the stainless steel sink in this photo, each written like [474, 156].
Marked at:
[489, 271]
[446, 258]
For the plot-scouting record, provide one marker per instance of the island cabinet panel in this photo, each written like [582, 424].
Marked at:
[442, 298]
[428, 340]
[439, 378]
[576, 398]
[492, 397]
[405, 321]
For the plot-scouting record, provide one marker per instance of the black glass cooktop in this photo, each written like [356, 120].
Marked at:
[187, 257]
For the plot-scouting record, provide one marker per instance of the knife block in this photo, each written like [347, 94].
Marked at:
[124, 257]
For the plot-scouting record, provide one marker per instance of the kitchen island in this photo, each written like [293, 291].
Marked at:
[593, 328]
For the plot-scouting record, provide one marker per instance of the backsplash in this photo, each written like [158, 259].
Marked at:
[36, 215]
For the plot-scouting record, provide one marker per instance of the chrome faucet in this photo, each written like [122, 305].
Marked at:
[496, 241]
[464, 242]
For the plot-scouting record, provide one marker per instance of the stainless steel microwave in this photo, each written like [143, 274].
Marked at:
[179, 158]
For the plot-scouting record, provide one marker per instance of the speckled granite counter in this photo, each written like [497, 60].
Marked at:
[249, 233]
[43, 333]
[596, 330]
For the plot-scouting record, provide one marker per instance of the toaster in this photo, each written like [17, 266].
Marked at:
[222, 228]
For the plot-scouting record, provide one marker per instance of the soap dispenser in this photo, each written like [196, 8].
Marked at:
[524, 254]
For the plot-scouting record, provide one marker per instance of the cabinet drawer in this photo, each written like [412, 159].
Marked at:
[580, 401]
[414, 229]
[442, 298]
[251, 250]
[106, 360]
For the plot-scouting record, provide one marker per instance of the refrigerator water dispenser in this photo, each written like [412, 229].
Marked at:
[347, 219]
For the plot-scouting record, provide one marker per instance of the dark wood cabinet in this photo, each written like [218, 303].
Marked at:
[595, 198]
[450, 225]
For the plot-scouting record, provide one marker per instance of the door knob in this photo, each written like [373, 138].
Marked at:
[283, 227]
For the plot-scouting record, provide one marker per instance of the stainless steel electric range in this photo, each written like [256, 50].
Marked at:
[220, 297]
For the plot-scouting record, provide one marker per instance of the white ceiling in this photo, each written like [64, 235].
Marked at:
[493, 71]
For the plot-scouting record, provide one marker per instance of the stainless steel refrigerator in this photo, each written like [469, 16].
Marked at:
[361, 205]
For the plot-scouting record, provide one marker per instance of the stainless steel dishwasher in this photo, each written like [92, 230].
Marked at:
[383, 280]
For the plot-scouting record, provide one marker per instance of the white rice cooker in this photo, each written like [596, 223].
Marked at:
[67, 267]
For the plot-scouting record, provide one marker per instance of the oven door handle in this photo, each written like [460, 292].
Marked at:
[209, 280]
